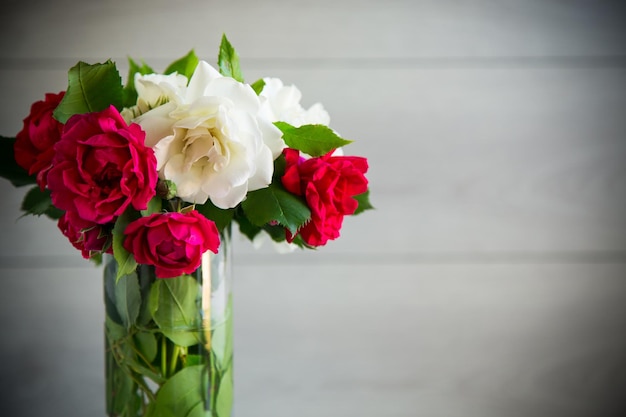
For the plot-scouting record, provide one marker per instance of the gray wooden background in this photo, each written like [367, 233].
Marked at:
[489, 282]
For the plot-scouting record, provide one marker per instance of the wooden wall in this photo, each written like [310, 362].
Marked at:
[489, 282]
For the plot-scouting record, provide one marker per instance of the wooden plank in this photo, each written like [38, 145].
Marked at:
[366, 340]
[442, 341]
[326, 29]
[53, 345]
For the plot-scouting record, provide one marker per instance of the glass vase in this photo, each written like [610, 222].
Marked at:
[169, 342]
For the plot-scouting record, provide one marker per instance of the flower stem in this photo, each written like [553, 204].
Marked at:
[118, 356]
[164, 357]
[174, 359]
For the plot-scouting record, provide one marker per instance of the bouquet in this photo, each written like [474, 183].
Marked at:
[151, 175]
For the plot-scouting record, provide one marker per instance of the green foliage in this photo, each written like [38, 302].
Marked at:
[125, 260]
[228, 60]
[258, 85]
[280, 164]
[114, 331]
[276, 232]
[9, 169]
[128, 299]
[182, 393]
[222, 341]
[154, 206]
[110, 278]
[246, 227]
[184, 66]
[364, 202]
[314, 140]
[91, 88]
[122, 395]
[38, 202]
[272, 209]
[173, 306]
[162, 365]
[96, 258]
[146, 342]
[130, 93]
[221, 217]
[225, 395]
[274, 203]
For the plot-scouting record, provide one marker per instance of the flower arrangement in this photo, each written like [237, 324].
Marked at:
[155, 172]
[190, 150]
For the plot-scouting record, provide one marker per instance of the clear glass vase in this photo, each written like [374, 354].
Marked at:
[169, 342]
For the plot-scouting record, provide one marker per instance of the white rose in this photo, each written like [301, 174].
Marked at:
[285, 105]
[213, 139]
[154, 90]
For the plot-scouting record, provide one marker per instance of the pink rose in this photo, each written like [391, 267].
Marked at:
[329, 184]
[172, 242]
[101, 166]
[88, 237]
[34, 143]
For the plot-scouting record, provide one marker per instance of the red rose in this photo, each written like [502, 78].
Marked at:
[329, 184]
[101, 166]
[88, 237]
[172, 242]
[34, 143]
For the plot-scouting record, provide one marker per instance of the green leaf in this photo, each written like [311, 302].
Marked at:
[154, 206]
[38, 202]
[193, 359]
[146, 343]
[133, 354]
[280, 164]
[146, 278]
[55, 214]
[130, 93]
[96, 258]
[173, 304]
[121, 391]
[246, 227]
[91, 88]
[221, 217]
[258, 85]
[228, 61]
[151, 410]
[224, 404]
[128, 299]
[134, 68]
[222, 339]
[274, 203]
[364, 202]
[184, 66]
[182, 392]
[298, 241]
[9, 169]
[144, 352]
[114, 331]
[277, 233]
[119, 385]
[314, 140]
[144, 371]
[110, 274]
[126, 263]
[198, 411]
